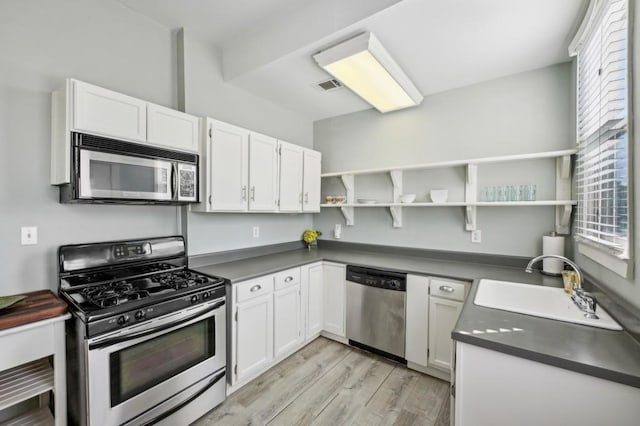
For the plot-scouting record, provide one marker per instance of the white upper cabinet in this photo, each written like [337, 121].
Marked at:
[227, 167]
[291, 157]
[311, 181]
[108, 113]
[263, 172]
[172, 129]
[245, 171]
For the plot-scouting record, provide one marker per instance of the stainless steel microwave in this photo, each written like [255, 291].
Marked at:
[107, 170]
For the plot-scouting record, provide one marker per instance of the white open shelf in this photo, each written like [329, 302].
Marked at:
[25, 382]
[562, 202]
[463, 204]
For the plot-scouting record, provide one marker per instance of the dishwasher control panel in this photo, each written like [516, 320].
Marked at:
[371, 277]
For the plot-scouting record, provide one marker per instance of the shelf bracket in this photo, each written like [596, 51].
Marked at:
[563, 218]
[348, 212]
[471, 196]
[563, 192]
[396, 215]
[396, 211]
[470, 218]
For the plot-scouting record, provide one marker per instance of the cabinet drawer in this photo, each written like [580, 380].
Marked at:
[254, 288]
[287, 278]
[448, 289]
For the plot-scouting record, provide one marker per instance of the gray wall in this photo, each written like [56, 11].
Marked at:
[628, 289]
[523, 113]
[207, 94]
[41, 43]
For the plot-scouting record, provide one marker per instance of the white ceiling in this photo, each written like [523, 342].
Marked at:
[441, 44]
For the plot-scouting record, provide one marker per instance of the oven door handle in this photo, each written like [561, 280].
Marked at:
[119, 339]
[208, 386]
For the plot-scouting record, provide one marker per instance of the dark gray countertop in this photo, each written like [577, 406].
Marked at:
[611, 355]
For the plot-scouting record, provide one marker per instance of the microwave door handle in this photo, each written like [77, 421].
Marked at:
[120, 339]
[174, 182]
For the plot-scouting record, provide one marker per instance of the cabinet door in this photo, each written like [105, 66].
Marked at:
[443, 315]
[263, 172]
[108, 113]
[287, 330]
[290, 177]
[228, 167]
[334, 289]
[172, 129]
[314, 298]
[311, 181]
[254, 336]
[417, 340]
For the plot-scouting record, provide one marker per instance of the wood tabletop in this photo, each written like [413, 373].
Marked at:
[37, 306]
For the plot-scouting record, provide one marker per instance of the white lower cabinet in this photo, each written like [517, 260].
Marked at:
[493, 388]
[254, 336]
[334, 298]
[287, 324]
[313, 296]
[443, 315]
[417, 335]
[445, 304]
[433, 307]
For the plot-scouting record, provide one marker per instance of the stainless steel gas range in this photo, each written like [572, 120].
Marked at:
[147, 343]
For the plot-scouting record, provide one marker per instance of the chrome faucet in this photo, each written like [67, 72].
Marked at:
[569, 262]
[581, 298]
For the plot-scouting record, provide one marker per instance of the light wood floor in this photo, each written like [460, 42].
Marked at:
[327, 383]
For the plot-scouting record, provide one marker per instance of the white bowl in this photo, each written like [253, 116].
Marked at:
[407, 198]
[439, 195]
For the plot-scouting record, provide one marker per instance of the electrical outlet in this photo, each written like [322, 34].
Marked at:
[337, 231]
[476, 236]
[29, 235]
[256, 232]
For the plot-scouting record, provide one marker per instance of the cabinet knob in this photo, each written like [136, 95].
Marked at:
[244, 192]
[255, 288]
[306, 198]
[446, 289]
[288, 279]
[253, 193]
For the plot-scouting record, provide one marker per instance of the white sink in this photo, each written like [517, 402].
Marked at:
[545, 302]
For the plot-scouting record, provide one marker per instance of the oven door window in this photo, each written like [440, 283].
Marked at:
[140, 367]
[105, 175]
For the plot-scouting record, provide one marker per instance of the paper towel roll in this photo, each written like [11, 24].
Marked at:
[552, 244]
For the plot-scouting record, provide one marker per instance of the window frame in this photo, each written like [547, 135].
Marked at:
[620, 263]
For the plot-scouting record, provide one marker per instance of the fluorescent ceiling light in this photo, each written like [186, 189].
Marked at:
[364, 66]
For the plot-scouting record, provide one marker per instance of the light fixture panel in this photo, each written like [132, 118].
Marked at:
[364, 65]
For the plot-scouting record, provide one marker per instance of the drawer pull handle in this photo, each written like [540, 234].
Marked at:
[255, 288]
[288, 279]
[446, 289]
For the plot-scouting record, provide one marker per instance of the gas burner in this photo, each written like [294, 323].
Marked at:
[113, 294]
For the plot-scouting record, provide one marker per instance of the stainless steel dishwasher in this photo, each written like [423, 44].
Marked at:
[376, 302]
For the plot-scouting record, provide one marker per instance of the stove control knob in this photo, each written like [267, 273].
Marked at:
[139, 315]
[194, 298]
[123, 319]
[205, 295]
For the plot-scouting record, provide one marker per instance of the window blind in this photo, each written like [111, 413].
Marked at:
[602, 165]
